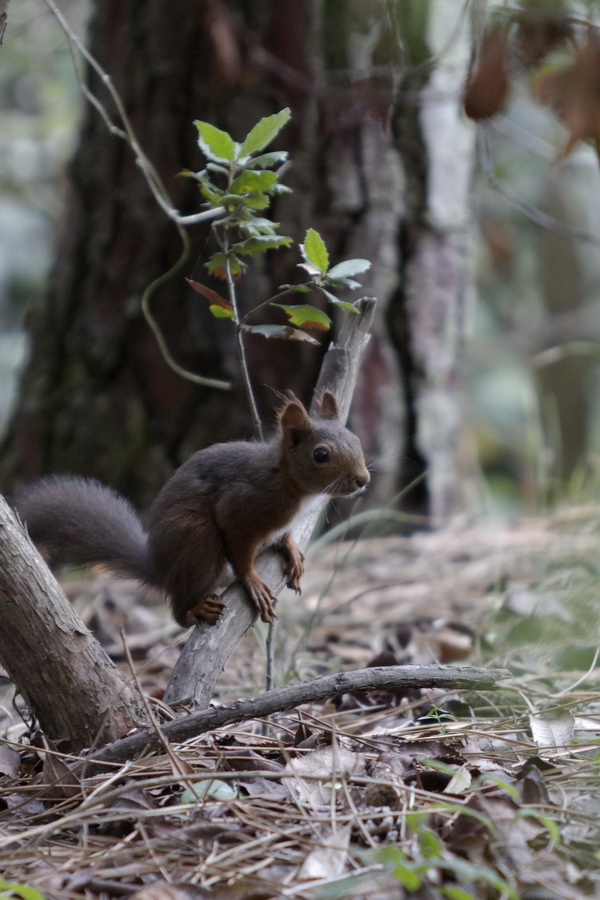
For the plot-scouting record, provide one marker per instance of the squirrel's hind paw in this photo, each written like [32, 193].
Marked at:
[207, 610]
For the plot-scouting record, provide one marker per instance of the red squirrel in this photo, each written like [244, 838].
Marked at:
[219, 507]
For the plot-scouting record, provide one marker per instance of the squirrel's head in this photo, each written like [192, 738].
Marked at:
[319, 454]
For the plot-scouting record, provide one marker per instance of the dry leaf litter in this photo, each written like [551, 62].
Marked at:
[415, 794]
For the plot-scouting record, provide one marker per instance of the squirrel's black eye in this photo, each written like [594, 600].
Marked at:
[321, 455]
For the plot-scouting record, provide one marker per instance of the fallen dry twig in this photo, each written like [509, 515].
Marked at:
[287, 697]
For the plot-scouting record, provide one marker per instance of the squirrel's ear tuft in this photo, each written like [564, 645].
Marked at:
[328, 408]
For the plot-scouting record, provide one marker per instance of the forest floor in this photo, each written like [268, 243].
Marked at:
[420, 794]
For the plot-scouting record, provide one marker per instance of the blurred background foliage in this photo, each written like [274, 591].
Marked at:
[531, 371]
[40, 106]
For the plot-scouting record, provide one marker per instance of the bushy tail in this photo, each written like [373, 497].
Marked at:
[79, 520]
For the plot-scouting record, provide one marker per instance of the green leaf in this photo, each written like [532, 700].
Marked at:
[456, 893]
[251, 227]
[216, 167]
[501, 783]
[300, 288]
[343, 304]
[253, 181]
[416, 821]
[260, 243]
[214, 196]
[285, 332]
[429, 843]
[217, 265]
[460, 808]
[256, 201]
[258, 223]
[217, 145]
[187, 173]
[314, 251]
[342, 282]
[467, 871]
[314, 273]
[13, 889]
[306, 316]
[407, 876]
[349, 267]
[266, 160]
[220, 313]
[264, 132]
[331, 297]
[240, 204]
[546, 821]
[204, 178]
[400, 867]
[233, 202]
[249, 230]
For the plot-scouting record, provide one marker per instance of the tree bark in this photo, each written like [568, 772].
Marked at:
[72, 688]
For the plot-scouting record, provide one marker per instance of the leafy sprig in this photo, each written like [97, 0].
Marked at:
[242, 184]
[242, 180]
[238, 183]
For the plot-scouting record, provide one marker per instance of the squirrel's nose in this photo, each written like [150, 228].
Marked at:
[363, 479]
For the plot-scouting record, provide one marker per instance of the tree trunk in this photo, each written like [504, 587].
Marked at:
[429, 310]
[72, 688]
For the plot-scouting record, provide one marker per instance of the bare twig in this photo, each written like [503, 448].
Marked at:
[382, 678]
[258, 432]
[145, 302]
[127, 132]
[269, 651]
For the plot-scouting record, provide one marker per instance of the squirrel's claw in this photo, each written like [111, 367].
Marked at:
[294, 561]
[207, 610]
[261, 596]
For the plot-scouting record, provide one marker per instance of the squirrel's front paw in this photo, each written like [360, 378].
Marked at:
[208, 610]
[294, 561]
[261, 596]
